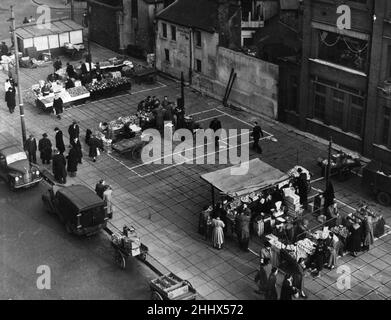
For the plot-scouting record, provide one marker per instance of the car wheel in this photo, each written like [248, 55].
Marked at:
[384, 198]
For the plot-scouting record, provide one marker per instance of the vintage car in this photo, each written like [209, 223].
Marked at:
[377, 178]
[78, 208]
[15, 168]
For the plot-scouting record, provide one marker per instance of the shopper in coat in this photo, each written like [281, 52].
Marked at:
[329, 196]
[298, 277]
[77, 145]
[354, 238]
[271, 289]
[217, 233]
[59, 140]
[245, 230]
[368, 230]
[287, 289]
[30, 147]
[45, 149]
[73, 131]
[95, 144]
[59, 164]
[261, 279]
[58, 105]
[303, 188]
[100, 188]
[10, 99]
[73, 160]
[107, 198]
[333, 248]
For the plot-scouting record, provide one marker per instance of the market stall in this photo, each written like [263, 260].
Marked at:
[52, 37]
[341, 164]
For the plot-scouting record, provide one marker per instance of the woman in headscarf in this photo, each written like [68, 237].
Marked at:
[218, 233]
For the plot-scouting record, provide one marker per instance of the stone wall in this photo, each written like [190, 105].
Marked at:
[255, 87]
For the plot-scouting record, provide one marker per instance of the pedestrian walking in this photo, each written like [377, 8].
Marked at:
[245, 219]
[217, 233]
[215, 125]
[3, 49]
[73, 160]
[87, 138]
[45, 149]
[73, 131]
[333, 251]
[107, 198]
[256, 134]
[303, 188]
[238, 227]
[95, 146]
[30, 147]
[264, 260]
[77, 145]
[59, 164]
[58, 105]
[10, 98]
[59, 140]
[100, 188]
[271, 289]
[287, 289]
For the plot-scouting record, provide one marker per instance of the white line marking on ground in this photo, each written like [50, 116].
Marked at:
[123, 164]
[201, 112]
[162, 85]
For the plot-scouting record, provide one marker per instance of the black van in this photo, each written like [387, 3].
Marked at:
[78, 207]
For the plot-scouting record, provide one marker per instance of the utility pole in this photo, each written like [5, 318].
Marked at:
[72, 9]
[20, 98]
[89, 38]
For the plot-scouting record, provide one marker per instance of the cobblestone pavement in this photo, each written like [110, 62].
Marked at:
[163, 201]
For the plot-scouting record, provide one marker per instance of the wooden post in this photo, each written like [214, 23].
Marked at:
[328, 168]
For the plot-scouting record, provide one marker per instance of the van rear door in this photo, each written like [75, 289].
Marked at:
[92, 217]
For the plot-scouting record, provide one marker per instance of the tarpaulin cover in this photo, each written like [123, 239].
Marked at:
[259, 176]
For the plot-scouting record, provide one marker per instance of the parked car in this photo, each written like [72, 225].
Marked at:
[78, 207]
[377, 177]
[15, 168]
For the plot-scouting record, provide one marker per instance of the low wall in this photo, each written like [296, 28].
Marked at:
[255, 87]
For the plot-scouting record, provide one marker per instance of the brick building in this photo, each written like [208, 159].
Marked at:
[343, 93]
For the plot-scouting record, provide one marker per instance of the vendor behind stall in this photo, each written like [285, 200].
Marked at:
[53, 77]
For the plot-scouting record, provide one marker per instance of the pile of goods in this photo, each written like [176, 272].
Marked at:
[77, 91]
[130, 243]
[305, 248]
[120, 122]
[171, 286]
[294, 173]
[292, 201]
[340, 231]
[341, 159]
[108, 86]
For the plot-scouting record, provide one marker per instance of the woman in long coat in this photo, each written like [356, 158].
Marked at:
[94, 144]
[73, 160]
[368, 227]
[245, 230]
[354, 239]
[218, 233]
[271, 290]
[10, 98]
[75, 143]
[107, 198]
[58, 106]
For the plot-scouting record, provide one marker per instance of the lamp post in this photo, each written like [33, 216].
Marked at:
[20, 98]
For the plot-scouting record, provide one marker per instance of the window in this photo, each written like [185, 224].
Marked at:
[386, 125]
[167, 54]
[343, 50]
[173, 33]
[197, 36]
[135, 9]
[320, 102]
[356, 115]
[294, 89]
[198, 65]
[337, 109]
[164, 30]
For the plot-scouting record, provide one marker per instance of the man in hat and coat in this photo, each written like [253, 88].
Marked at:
[73, 160]
[59, 164]
[95, 144]
[73, 131]
[45, 149]
[30, 147]
[76, 144]
[59, 140]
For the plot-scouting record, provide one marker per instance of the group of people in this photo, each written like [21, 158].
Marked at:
[61, 165]
[164, 110]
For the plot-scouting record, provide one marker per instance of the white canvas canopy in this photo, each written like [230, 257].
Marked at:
[259, 176]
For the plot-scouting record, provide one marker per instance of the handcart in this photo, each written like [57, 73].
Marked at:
[171, 287]
[127, 244]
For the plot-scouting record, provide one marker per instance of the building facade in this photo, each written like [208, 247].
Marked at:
[342, 73]
[125, 25]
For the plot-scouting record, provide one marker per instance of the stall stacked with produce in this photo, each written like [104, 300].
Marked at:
[108, 87]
